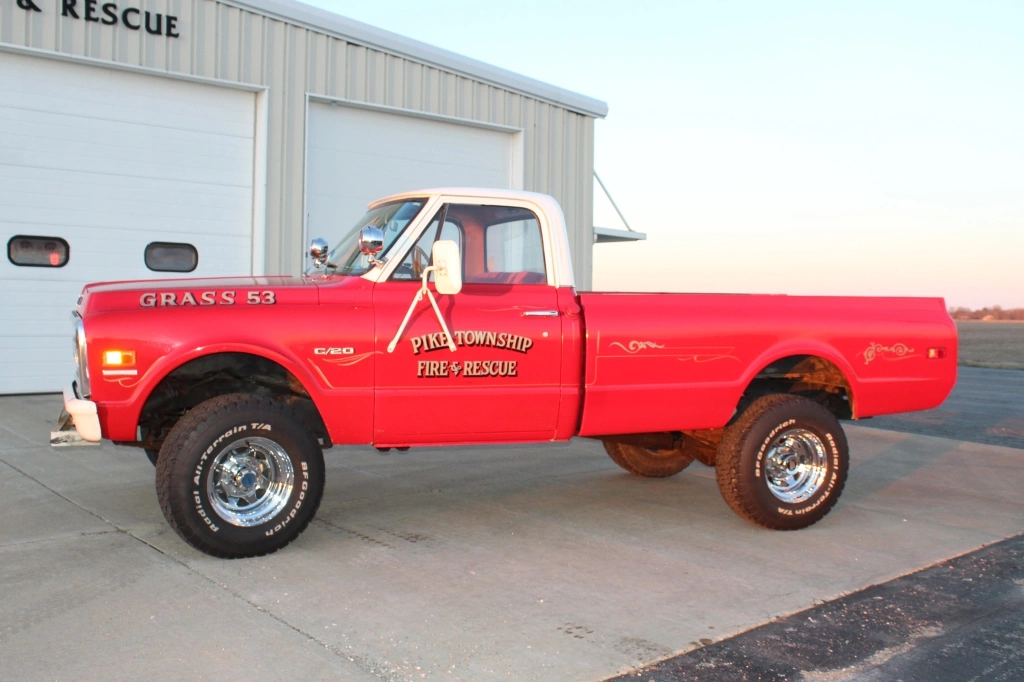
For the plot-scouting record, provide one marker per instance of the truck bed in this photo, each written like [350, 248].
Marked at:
[657, 362]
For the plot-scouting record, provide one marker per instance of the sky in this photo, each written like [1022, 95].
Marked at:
[856, 148]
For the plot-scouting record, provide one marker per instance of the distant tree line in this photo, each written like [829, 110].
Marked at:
[994, 313]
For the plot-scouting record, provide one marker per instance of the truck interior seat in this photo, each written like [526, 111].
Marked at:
[507, 278]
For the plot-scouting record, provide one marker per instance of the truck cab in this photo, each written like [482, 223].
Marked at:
[509, 323]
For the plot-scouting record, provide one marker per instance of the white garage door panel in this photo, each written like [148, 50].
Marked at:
[209, 160]
[105, 208]
[29, 328]
[25, 364]
[111, 161]
[357, 155]
[118, 202]
[103, 260]
[29, 322]
[122, 97]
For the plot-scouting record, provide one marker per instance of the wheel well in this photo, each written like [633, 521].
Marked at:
[212, 375]
[806, 375]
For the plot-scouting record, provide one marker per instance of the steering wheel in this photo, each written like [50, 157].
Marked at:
[420, 260]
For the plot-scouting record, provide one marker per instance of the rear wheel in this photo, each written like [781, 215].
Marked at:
[783, 463]
[239, 476]
[648, 462]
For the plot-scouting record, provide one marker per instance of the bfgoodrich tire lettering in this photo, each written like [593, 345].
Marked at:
[240, 476]
[783, 463]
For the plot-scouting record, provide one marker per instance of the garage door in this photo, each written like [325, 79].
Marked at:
[98, 168]
[357, 155]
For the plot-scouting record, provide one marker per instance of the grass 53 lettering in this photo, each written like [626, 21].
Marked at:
[152, 299]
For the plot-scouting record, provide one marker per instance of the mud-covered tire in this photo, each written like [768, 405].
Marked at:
[783, 463]
[240, 476]
[648, 462]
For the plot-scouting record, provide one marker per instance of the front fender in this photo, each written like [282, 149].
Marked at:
[121, 417]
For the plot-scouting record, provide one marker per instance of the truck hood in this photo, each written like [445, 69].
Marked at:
[224, 292]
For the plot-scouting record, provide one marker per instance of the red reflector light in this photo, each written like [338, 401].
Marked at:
[936, 353]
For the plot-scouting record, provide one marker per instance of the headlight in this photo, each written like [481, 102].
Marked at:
[81, 356]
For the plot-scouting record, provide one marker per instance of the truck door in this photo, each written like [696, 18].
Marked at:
[502, 382]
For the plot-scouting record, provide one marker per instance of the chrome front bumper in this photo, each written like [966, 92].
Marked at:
[78, 423]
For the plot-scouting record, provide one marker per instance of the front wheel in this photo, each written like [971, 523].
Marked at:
[239, 476]
[783, 463]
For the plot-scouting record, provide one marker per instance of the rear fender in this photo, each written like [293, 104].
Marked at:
[797, 347]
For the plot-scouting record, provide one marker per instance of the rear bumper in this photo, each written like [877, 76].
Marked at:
[78, 416]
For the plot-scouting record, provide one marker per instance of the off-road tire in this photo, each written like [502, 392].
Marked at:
[184, 472]
[742, 461]
[648, 462]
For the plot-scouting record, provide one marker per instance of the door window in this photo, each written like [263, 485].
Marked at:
[514, 247]
[499, 245]
[419, 257]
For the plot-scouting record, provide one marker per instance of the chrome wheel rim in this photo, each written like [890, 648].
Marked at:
[250, 481]
[795, 466]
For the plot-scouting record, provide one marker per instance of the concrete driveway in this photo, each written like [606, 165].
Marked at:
[519, 563]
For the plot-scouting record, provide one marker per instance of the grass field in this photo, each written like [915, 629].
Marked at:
[999, 345]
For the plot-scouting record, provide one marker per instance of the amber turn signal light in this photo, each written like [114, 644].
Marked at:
[118, 358]
[936, 353]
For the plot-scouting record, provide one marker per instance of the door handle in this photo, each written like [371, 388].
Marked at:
[540, 313]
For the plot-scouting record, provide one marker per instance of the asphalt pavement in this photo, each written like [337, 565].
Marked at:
[986, 406]
[962, 619]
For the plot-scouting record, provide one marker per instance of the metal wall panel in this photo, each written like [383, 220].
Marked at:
[232, 43]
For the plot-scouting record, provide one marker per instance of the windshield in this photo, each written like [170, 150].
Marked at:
[391, 218]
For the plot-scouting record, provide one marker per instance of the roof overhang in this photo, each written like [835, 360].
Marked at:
[322, 21]
[607, 235]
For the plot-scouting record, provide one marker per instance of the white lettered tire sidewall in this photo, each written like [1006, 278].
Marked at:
[817, 505]
[186, 464]
[743, 451]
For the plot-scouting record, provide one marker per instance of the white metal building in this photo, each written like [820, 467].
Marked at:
[215, 137]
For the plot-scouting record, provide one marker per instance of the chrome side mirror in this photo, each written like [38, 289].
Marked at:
[318, 250]
[447, 267]
[371, 241]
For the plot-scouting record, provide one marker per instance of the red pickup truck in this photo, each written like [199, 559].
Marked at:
[450, 316]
